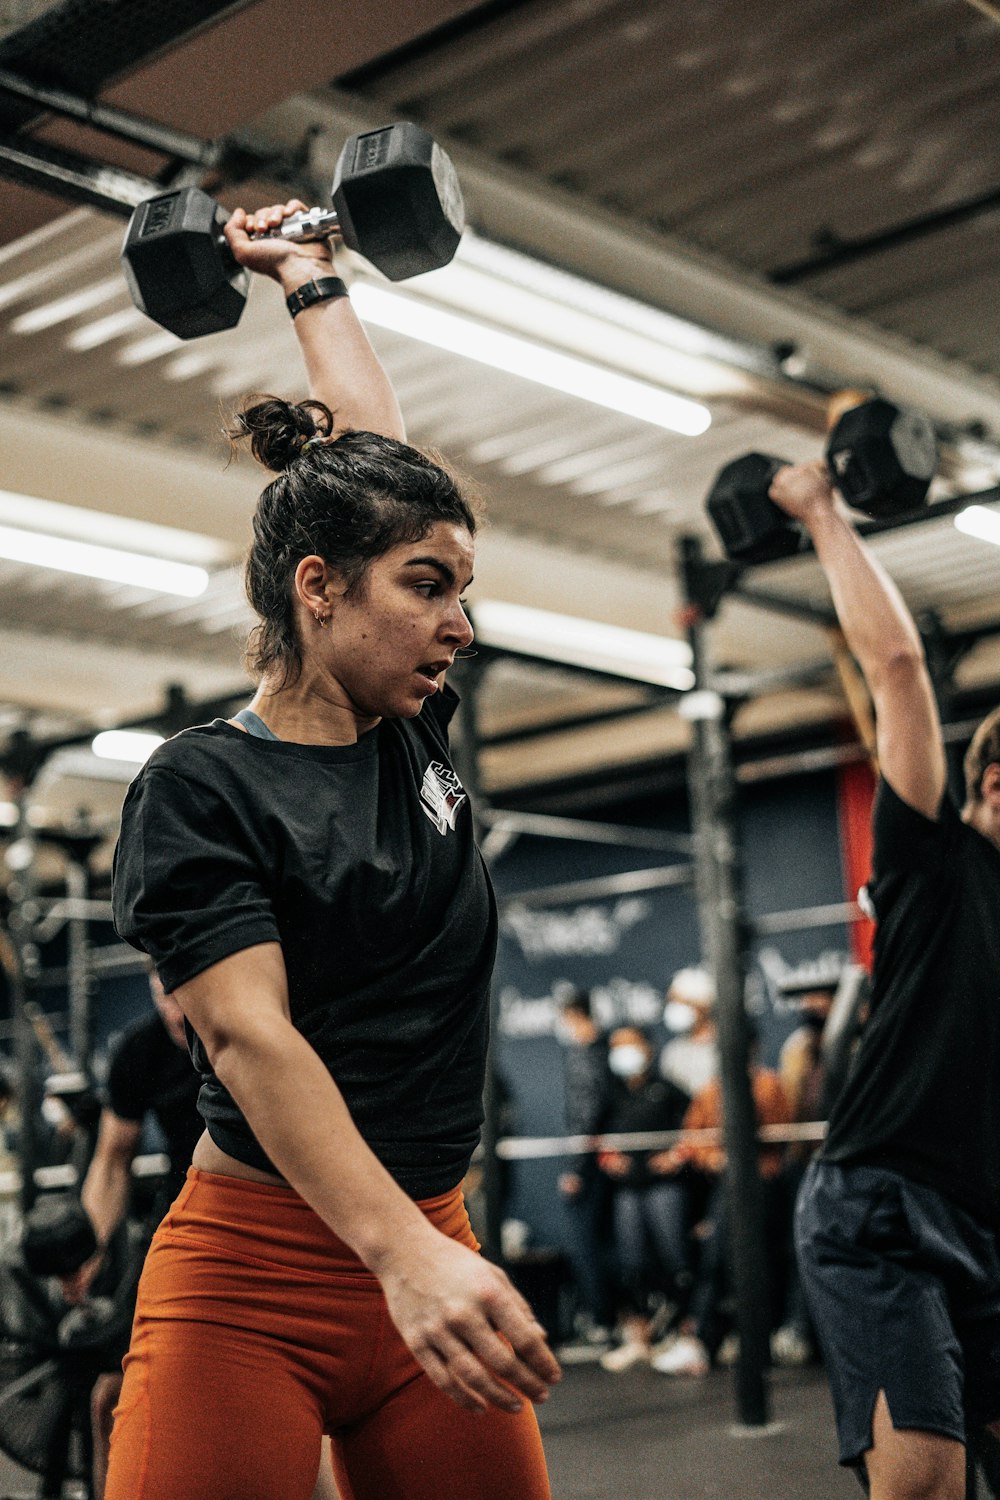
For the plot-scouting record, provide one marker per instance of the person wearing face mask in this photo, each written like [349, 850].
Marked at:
[690, 1059]
[700, 1333]
[650, 1203]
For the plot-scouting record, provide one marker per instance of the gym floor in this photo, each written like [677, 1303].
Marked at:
[648, 1438]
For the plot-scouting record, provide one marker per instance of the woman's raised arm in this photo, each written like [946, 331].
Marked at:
[343, 369]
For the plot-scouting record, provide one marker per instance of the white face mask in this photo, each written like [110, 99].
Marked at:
[627, 1061]
[679, 1016]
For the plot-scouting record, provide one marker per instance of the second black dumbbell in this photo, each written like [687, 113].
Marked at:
[881, 457]
[396, 200]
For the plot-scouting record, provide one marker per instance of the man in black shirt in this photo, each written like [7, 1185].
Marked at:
[897, 1220]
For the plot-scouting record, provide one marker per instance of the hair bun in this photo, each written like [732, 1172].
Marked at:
[279, 430]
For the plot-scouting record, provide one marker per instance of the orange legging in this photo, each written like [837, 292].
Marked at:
[256, 1329]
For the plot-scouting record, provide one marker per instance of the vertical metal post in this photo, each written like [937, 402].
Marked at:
[465, 754]
[719, 890]
[21, 966]
[78, 965]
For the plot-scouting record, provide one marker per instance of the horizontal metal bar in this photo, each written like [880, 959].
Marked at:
[74, 177]
[835, 914]
[938, 511]
[550, 663]
[603, 887]
[535, 1148]
[69, 909]
[566, 725]
[783, 604]
[580, 830]
[750, 684]
[843, 252]
[158, 137]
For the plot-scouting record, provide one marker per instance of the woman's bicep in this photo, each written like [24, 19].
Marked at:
[238, 998]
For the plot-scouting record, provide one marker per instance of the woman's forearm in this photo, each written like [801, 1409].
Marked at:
[299, 1116]
[343, 369]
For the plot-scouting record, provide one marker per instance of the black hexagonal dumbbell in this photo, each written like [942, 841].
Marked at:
[57, 1236]
[396, 201]
[881, 458]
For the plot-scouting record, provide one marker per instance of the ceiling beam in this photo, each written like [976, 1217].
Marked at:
[520, 209]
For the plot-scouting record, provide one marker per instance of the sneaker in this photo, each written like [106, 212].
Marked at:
[624, 1357]
[684, 1356]
[728, 1352]
[663, 1346]
[790, 1347]
[586, 1348]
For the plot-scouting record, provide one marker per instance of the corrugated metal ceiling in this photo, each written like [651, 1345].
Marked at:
[748, 129]
[759, 129]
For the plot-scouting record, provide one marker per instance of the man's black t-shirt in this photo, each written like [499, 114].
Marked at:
[360, 861]
[923, 1095]
[657, 1104]
[149, 1073]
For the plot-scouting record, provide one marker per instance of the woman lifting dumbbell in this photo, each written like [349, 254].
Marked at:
[305, 879]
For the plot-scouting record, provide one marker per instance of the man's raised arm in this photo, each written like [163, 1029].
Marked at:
[881, 634]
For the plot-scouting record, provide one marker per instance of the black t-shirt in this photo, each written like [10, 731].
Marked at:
[360, 861]
[657, 1104]
[150, 1074]
[923, 1095]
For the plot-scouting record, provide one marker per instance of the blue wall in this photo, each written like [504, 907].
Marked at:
[625, 949]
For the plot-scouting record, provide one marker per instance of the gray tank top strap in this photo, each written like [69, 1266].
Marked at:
[254, 724]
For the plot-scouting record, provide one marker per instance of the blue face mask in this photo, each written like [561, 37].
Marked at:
[679, 1017]
[628, 1061]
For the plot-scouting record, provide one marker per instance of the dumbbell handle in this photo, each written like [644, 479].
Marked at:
[305, 228]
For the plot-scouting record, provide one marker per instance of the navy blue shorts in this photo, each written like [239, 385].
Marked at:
[904, 1290]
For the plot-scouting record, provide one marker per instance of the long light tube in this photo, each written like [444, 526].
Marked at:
[981, 522]
[126, 744]
[85, 559]
[584, 643]
[528, 360]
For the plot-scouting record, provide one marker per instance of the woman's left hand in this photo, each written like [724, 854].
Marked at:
[286, 261]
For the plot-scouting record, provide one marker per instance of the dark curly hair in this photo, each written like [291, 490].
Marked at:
[347, 500]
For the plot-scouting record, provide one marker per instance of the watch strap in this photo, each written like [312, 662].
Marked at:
[311, 292]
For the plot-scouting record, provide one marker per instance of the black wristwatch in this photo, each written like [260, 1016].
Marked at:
[312, 292]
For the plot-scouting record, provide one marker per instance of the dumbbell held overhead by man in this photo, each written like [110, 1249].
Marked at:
[880, 457]
[396, 201]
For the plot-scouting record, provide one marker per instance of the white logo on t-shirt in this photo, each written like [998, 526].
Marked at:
[441, 795]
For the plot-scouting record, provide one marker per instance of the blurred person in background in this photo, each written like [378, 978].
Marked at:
[584, 1188]
[690, 1059]
[701, 1332]
[650, 1202]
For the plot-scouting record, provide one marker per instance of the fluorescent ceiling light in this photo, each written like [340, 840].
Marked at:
[91, 335]
[578, 294]
[29, 513]
[64, 308]
[153, 347]
[126, 744]
[981, 522]
[658, 659]
[109, 563]
[529, 360]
